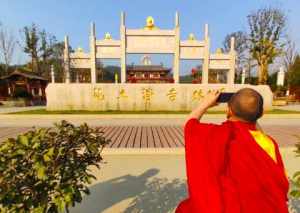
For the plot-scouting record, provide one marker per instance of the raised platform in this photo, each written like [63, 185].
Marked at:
[138, 97]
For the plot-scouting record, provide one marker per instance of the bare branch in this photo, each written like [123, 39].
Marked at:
[290, 54]
[7, 46]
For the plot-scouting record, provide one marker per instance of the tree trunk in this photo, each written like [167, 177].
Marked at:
[262, 73]
[6, 69]
[35, 66]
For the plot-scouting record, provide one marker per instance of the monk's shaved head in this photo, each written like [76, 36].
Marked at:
[246, 104]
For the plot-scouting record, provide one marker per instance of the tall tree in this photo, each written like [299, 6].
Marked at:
[294, 73]
[31, 45]
[266, 30]
[7, 46]
[289, 54]
[240, 48]
[57, 60]
[40, 45]
[47, 42]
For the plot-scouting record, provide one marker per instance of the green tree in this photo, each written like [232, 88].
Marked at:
[272, 81]
[57, 60]
[46, 50]
[31, 45]
[43, 48]
[294, 73]
[266, 30]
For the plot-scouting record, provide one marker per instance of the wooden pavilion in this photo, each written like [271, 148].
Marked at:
[27, 83]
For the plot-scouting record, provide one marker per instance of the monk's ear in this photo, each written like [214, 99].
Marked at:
[229, 112]
[259, 115]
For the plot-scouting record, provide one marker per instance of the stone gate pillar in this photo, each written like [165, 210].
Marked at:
[67, 60]
[177, 50]
[205, 67]
[232, 53]
[123, 48]
[93, 53]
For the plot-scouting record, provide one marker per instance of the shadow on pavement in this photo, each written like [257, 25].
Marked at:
[160, 196]
[294, 204]
[155, 195]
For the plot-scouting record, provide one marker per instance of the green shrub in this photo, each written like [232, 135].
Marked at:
[295, 192]
[48, 170]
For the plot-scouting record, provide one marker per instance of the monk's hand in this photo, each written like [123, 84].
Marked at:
[210, 99]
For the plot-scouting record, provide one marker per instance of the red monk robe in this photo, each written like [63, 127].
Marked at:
[228, 172]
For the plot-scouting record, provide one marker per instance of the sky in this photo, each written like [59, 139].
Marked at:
[73, 17]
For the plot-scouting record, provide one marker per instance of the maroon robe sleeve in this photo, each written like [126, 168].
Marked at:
[205, 156]
[280, 163]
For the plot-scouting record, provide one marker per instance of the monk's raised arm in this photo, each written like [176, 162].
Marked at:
[208, 101]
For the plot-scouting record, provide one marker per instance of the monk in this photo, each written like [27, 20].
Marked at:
[233, 167]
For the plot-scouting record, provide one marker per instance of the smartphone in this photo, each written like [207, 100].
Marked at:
[224, 97]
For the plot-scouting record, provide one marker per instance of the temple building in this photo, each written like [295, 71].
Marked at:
[148, 73]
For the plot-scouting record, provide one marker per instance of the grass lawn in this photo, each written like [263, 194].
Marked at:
[83, 112]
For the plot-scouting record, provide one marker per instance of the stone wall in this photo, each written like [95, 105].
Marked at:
[137, 97]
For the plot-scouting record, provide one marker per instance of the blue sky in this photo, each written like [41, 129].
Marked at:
[66, 17]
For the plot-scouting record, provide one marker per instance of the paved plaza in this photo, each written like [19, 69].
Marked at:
[144, 168]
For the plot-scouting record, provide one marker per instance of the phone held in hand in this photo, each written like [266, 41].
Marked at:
[224, 97]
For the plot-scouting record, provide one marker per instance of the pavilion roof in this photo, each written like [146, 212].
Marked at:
[24, 74]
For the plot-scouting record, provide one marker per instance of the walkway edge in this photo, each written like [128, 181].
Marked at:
[126, 116]
[164, 151]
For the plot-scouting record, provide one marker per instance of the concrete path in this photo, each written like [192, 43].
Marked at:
[146, 183]
[4, 110]
[293, 107]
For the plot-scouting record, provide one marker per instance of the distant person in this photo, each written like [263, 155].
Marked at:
[233, 167]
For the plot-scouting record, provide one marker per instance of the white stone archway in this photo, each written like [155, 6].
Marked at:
[150, 40]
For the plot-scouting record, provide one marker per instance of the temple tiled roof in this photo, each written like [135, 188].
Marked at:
[147, 68]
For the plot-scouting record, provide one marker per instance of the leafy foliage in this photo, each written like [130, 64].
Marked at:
[47, 170]
[31, 44]
[294, 73]
[266, 29]
[295, 192]
[44, 50]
